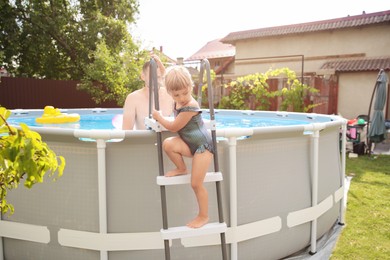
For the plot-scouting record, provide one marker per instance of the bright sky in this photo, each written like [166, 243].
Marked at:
[182, 27]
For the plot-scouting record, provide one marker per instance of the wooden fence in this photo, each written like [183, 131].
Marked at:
[28, 93]
[325, 99]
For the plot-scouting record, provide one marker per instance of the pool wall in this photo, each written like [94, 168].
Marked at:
[282, 190]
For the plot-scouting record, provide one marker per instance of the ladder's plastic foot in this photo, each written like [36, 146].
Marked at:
[185, 179]
[312, 253]
[184, 231]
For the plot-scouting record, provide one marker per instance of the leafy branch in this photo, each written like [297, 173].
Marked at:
[23, 156]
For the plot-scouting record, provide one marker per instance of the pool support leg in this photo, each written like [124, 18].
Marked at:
[101, 150]
[233, 192]
[342, 179]
[314, 192]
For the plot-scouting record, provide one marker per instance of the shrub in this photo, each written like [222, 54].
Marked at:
[253, 92]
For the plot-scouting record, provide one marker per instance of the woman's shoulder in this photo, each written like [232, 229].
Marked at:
[137, 93]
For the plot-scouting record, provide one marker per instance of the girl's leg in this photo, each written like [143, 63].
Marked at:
[176, 148]
[200, 165]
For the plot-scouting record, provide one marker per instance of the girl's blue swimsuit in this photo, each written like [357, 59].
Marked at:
[195, 134]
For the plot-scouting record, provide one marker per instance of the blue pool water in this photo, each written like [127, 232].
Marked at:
[104, 121]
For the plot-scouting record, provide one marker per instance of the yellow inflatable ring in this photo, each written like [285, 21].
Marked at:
[53, 115]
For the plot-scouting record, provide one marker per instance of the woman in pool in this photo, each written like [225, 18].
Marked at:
[194, 140]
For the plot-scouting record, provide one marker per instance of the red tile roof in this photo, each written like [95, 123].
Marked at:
[338, 23]
[214, 49]
[359, 64]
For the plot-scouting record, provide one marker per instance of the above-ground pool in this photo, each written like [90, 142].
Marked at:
[282, 190]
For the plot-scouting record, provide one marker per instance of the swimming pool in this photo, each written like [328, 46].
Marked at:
[101, 119]
[282, 190]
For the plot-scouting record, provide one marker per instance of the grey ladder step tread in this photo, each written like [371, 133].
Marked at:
[185, 179]
[184, 231]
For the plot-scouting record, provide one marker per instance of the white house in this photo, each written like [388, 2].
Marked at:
[348, 50]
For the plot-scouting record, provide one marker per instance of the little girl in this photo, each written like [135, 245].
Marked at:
[194, 140]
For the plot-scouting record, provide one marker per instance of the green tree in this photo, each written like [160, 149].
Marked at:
[67, 39]
[111, 76]
[23, 157]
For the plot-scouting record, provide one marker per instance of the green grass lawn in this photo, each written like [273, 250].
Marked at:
[366, 234]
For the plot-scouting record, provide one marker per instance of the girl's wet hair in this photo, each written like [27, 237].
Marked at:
[177, 78]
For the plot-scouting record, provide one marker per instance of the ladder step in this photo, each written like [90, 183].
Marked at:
[185, 179]
[184, 231]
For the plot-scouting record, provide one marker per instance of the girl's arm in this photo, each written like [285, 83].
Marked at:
[180, 121]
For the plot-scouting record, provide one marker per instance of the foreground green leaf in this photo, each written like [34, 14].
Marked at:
[23, 156]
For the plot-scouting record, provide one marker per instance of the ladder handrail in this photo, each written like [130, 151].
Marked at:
[205, 65]
[153, 92]
[200, 83]
[153, 87]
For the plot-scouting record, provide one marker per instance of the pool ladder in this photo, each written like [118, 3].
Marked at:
[169, 233]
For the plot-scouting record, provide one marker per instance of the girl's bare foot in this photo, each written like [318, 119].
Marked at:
[198, 222]
[176, 172]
